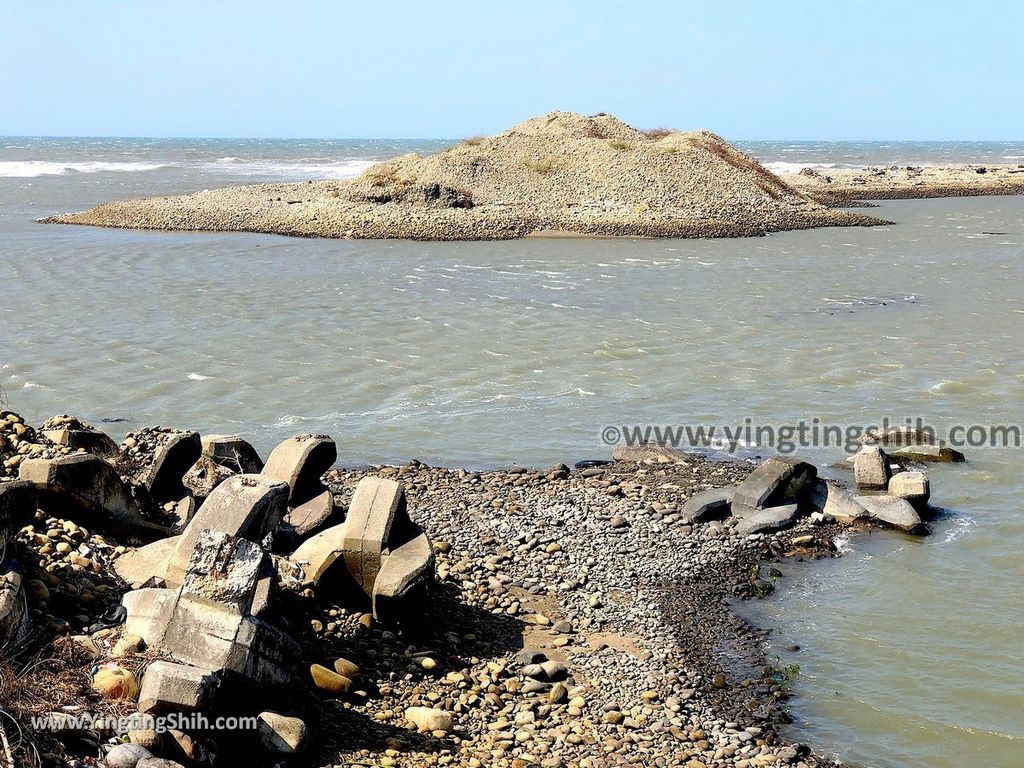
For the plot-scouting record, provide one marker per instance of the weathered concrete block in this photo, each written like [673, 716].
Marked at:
[830, 499]
[318, 553]
[170, 687]
[376, 506]
[871, 468]
[183, 512]
[912, 486]
[301, 461]
[264, 654]
[309, 518]
[175, 454]
[148, 612]
[87, 483]
[764, 520]
[707, 505]
[647, 453]
[14, 623]
[206, 621]
[224, 569]
[403, 571]
[388, 557]
[18, 503]
[899, 513]
[142, 564]
[232, 452]
[91, 440]
[250, 506]
[210, 636]
[205, 475]
[930, 453]
[777, 481]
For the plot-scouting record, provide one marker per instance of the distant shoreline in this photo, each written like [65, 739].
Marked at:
[844, 186]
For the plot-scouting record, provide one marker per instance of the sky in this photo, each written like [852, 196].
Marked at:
[786, 69]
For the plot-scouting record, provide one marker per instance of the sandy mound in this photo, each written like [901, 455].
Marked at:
[562, 172]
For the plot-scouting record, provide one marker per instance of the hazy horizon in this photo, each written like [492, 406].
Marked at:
[795, 140]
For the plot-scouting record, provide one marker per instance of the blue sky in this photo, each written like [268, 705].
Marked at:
[308, 68]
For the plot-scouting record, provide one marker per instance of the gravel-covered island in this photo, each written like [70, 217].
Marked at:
[562, 173]
[407, 615]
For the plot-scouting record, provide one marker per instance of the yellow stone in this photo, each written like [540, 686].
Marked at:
[346, 668]
[328, 680]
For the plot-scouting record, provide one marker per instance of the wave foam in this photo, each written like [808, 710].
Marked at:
[786, 167]
[285, 169]
[27, 169]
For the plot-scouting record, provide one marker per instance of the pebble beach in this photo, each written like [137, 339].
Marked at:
[578, 617]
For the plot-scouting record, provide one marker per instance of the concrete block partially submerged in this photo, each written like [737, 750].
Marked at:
[777, 481]
[830, 499]
[893, 511]
[912, 486]
[764, 520]
[707, 505]
[871, 468]
[930, 453]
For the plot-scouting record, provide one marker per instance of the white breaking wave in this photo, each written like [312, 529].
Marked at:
[784, 167]
[27, 169]
[284, 169]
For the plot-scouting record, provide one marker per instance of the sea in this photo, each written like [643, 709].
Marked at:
[486, 354]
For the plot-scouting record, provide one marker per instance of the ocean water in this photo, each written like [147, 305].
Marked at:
[481, 354]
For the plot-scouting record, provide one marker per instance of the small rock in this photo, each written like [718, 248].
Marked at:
[346, 668]
[429, 718]
[558, 694]
[127, 644]
[329, 681]
[280, 734]
[126, 756]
